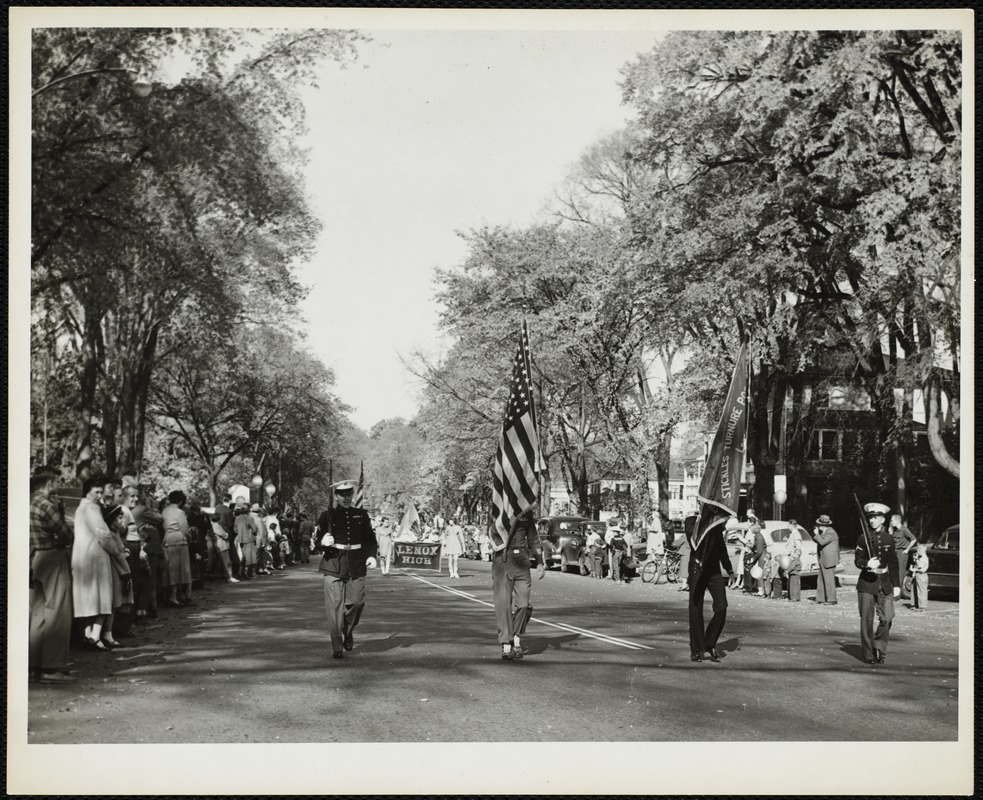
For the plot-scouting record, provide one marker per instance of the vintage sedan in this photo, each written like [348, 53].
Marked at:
[563, 541]
[943, 558]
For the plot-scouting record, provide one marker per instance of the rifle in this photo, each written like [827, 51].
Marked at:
[864, 526]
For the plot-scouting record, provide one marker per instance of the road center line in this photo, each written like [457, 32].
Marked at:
[601, 637]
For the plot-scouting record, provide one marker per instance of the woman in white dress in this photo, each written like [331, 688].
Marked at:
[452, 546]
[92, 571]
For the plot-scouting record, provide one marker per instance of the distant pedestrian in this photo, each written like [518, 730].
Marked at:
[245, 531]
[92, 570]
[306, 533]
[596, 551]
[223, 562]
[617, 547]
[904, 543]
[878, 585]
[793, 564]
[919, 577]
[177, 552]
[452, 546]
[50, 583]
[384, 538]
[828, 546]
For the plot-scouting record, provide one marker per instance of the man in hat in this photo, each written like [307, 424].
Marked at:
[50, 584]
[511, 583]
[878, 585]
[350, 549]
[828, 546]
[617, 546]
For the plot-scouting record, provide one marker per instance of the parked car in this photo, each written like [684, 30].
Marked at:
[563, 540]
[777, 533]
[943, 559]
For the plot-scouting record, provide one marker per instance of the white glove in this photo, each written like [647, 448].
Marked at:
[370, 562]
[897, 591]
[874, 563]
[327, 540]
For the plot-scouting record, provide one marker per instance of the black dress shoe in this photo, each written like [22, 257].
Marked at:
[879, 656]
[349, 641]
[695, 656]
[337, 654]
[714, 655]
[869, 661]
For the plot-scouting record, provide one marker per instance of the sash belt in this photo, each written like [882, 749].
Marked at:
[347, 546]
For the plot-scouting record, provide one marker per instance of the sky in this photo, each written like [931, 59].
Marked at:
[431, 133]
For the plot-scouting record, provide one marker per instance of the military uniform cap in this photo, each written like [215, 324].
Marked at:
[876, 510]
[344, 486]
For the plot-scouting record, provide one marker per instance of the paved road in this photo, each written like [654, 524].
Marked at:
[250, 663]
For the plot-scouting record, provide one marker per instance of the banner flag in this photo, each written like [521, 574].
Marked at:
[720, 489]
[515, 478]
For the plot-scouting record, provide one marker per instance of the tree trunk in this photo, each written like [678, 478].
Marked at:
[88, 381]
[933, 391]
[764, 435]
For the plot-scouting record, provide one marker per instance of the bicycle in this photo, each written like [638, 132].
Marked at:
[666, 564]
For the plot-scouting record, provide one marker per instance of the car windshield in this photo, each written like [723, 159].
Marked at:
[779, 534]
[600, 527]
[947, 540]
[565, 526]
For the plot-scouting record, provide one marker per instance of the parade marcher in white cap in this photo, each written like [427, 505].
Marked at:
[878, 585]
[349, 550]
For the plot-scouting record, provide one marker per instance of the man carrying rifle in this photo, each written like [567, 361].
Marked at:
[879, 582]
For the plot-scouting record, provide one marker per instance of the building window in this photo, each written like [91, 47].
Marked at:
[826, 445]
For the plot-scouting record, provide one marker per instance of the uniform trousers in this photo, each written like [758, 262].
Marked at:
[344, 599]
[701, 640]
[511, 583]
[51, 610]
[826, 585]
[883, 606]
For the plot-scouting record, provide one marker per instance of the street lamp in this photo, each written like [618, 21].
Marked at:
[140, 85]
[780, 498]
[256, 483]
[270, 491]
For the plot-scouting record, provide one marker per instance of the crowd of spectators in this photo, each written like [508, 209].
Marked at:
[125, 554]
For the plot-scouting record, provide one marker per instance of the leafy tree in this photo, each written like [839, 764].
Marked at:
[158, 214]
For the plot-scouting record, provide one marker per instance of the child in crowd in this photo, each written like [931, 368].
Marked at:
[776, 578]
[284, 544]
[919, 577]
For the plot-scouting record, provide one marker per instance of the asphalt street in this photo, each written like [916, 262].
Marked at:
[607, 662]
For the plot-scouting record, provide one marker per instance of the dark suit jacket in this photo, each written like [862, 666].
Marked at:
[710, 558]
[828, 543]
[882, 545]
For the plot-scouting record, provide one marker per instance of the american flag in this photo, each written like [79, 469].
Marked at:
[515, 480]
[357, 501]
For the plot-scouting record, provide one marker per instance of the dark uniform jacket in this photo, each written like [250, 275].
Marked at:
[711, 557]
[882, 543]
[349, 527]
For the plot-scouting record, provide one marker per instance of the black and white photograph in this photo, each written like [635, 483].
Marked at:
[472, 402]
